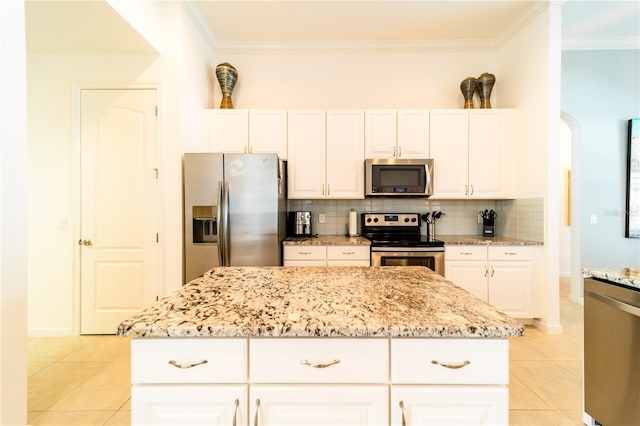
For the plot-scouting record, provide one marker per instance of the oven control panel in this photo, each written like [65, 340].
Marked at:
[391, 219]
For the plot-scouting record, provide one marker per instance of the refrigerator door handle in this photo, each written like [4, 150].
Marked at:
[220, 230]
[227, 227]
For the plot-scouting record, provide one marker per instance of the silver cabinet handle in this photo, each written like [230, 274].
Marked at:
[86, 243]
[510, 253]
[404, 422]
[255, 418]
[347, 253]
[471, 190]
[492, 271]
[323, 189]
[466, 190]
[486, 270]
[394, 151]
[399, 151]
[320, 365]
[328, 190]
[175, 364]
[466, 253]
[452, 366]
[304, 252]
[235, 412]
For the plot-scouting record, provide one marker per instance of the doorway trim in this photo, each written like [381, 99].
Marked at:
[76, 89]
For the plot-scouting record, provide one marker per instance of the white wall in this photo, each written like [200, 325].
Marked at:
[13, 223]
[53, 224]
[530, 63]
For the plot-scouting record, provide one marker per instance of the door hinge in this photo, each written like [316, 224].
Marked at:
[157, 237]
[157, 298]
[156, 172]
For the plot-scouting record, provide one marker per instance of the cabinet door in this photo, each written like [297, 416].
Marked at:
[307, 157]
[318, 405]
[413, 133]
[488, 154]
[268, 132]
[451, 405]
[380, 133]
[449, 136]
[226, 130]
[511, 287]
[188, 405]
[471, 275]
[345, 154]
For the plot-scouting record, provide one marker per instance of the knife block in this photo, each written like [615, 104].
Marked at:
[488, 227]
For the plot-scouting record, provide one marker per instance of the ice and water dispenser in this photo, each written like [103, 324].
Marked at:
[205, 224]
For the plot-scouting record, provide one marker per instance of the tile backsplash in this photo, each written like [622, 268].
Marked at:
[521, 218]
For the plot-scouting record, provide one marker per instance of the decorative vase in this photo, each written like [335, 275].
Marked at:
[485, 84]
[227, 76]
[468, 87]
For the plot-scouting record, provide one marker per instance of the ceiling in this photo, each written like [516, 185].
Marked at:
[93, 26]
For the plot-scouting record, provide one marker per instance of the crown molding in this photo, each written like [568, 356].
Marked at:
[202, 26]
[601, 43]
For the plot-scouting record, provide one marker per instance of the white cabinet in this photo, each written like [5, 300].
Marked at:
[473, 153]
[503, 276]
[299, 255]
[397, 133]
[319, 405]
[449, 381]
[326, 154]
[440, 405]
[189, 404]
[312, 381]
[188, 381]
[246, 131]
[268, 132]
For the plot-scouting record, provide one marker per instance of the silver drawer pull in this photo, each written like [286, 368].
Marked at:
[304, 252]
[348, 252]
[175, 364]
[320, 365]
[452, 366]
[510, 253]
[466, 253]
[255, 418]
[404, 422]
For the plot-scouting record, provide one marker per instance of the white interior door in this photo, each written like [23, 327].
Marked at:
[119, 206]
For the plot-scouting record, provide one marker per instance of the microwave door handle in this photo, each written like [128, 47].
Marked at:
[427, 188]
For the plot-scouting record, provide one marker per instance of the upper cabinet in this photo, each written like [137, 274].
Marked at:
[246, 131]
[397, 134]
[326, 154]
[473, 153]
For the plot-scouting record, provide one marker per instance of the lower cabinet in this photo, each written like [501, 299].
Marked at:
[189, 404]
[299, 255]
[319, 405]
[503, 276]
[319, 381]
[449, 405]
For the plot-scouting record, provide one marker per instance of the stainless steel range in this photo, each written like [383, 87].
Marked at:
[396, 241]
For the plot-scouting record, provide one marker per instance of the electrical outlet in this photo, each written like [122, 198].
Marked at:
[594, 218]
[321, 218]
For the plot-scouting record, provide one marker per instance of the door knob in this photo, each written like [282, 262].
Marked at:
[85, 242]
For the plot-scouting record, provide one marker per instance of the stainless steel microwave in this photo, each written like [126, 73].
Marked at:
[398, 177]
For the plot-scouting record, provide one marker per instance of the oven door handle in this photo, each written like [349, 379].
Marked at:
[407, 249]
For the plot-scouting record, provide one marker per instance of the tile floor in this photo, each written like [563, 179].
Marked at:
[85, 380]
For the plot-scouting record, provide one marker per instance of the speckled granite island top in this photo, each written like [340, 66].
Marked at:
[326, 240]
[321, 302]
[629, 277]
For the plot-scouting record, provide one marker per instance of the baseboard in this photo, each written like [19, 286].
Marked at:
[49, 332]
[576, 299]
[548, 328]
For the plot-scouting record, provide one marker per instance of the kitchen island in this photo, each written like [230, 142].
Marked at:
[320, 345]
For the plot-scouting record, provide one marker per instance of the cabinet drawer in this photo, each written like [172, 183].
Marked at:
[225, 360]
[305, 252]
[465, 253]
[510, 253]
[348, 252]
[471, 361]
[285, 360]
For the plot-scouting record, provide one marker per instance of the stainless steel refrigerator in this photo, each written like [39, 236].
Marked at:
[234, 211]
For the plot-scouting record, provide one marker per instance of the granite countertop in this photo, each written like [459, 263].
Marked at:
[629, 277]
[345, 301]
[326, 240]
[478, 240]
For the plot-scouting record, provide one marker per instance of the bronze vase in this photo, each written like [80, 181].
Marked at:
[485, 85]
[227, 76]
[468, 87]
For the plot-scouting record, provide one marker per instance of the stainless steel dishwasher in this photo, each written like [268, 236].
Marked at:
[611, 352]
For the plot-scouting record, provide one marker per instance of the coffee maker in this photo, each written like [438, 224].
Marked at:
[299, 224]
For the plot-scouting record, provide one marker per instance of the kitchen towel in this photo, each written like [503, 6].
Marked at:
[353, 223]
